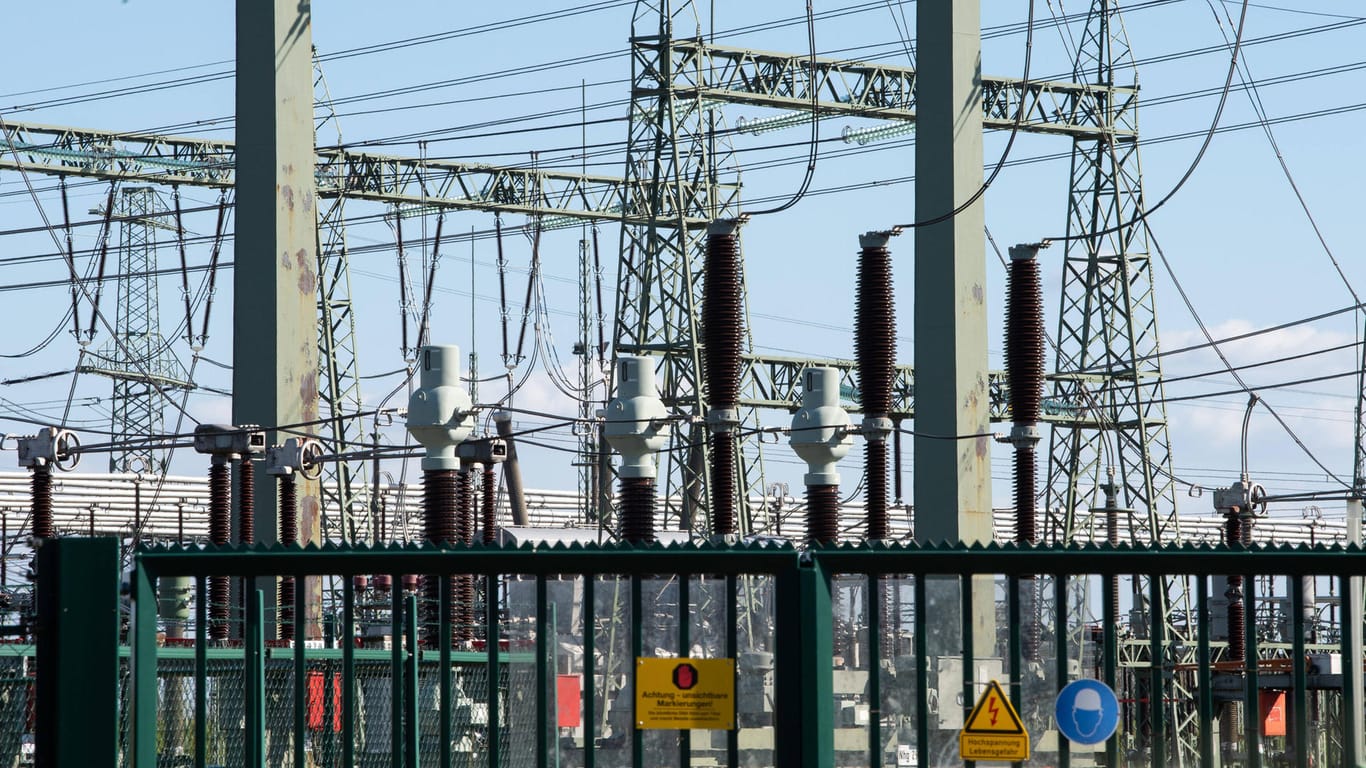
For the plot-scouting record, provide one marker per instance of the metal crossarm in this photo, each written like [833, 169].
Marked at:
[886, 91]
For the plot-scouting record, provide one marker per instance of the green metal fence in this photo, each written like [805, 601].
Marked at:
[846, 656]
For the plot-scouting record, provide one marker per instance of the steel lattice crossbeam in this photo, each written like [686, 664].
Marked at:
[885, 91]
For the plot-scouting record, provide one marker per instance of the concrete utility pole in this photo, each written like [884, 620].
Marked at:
[952, 476]
[275, 370]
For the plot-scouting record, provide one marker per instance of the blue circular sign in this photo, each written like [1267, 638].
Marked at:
[1087, 712]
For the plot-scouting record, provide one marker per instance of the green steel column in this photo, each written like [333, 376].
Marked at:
[1203, 682]
[590, 671]
[1351, 669]
[952, 477]
[410, 684]
[275, 378]
[491, 642]
[78, 656]
[445, 681]
[1300, 696]
[301, 687]
[804, 710]
[348, 646]
[201, 671]
[1354, 735]
[1252, 727]
[873, 582]
[255, 682]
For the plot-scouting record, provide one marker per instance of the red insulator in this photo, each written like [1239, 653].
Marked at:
[383, 582]
[875, 330]
[289, 534]
[42, 503]
[491, 519]
[360, 583]
[289, 510]
[438, 505]
[723, 335]
[637, 504]
[286, 607]
[722, 320]
[490, 511]
[875, 350]
[463, 608]
[875, 463]
[1237, 628]
[1025, 524]
[822, 514]
[464, 507]
[1024, 339]
[246, 532]
[722, 483]
[220, 502]
[220, 526]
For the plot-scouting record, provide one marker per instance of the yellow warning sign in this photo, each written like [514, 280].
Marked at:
[993, 730]
[685, 693]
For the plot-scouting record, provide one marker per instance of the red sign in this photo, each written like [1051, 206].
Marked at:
[1273, 713]
[685, 676]
[316, 701]
[568, 707]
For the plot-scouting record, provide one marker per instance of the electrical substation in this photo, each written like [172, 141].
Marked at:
[349, 568]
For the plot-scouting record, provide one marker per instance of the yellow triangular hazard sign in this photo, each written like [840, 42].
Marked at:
[993, 714]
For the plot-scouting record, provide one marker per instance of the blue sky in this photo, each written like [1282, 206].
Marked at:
[1235, 235]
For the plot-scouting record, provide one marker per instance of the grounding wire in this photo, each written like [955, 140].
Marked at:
[1143, 215]
[71, 267]
[1204, 329]
[813, 150]
[1255, 98]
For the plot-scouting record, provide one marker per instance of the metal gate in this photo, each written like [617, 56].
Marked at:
[852, 655]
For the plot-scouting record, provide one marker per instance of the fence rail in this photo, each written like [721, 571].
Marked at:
[848, 655]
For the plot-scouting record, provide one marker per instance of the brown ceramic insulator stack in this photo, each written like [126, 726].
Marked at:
[289, 535]
[723, 333]
[1237, 637]
[722, 483]
[875, 350]
[464, 507]
[438, 505]
[438, 519]
[1112, 538]
[489, 520]
[220, 526]
[637, 502]
[42, 502]
[1024, 373]
[463, 597]
[822, 514]
[1025, 531]
[246, 532]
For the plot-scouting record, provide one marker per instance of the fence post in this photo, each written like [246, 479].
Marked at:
[804, 736]
[78, 653]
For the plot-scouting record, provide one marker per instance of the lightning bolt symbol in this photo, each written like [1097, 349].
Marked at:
[993, 709]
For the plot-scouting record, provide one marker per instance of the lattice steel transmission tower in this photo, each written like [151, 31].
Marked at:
[1108, 371]
[139, 359]
[680, 175]
[339, 395]
[1109, 376]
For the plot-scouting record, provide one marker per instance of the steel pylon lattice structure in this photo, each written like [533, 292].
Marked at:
[1108, 371]
[1109, 375]
[138, 359]
[339, 394]
[680, 174]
